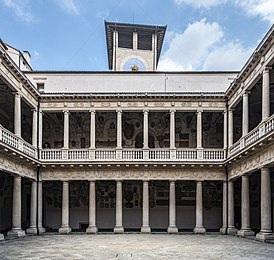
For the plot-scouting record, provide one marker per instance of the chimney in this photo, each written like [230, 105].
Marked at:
[27, 56]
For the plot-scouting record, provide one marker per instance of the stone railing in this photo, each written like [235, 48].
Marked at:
[256, 134]
[16, 142]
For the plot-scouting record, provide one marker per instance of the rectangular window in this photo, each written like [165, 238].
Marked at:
[144, 41]
[125, 40]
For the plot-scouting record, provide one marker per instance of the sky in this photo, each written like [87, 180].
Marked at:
[202, 35]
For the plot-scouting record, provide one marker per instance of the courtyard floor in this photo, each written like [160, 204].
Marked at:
[135, 246]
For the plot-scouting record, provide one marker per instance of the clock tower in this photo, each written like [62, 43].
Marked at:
[133, 47]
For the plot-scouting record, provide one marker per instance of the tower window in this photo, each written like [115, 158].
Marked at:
[125, 40]
[144, 41]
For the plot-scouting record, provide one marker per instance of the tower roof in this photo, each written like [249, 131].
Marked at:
[126, 27]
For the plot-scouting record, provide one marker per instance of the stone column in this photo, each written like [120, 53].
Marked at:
[199, 228]
[172, 129]
[266, 94]
[17, 115]
[145, 227]
[119, 129]
[172, 228]
[225, 129]
[231, 230]
[245, 209]
[33, 209]
[119, 229]
[145, 129]
[40, 208]
[223, 229]
[40, 129]
[92, 229]
[230, 127]
[245, 119]
[65, 228]
[66, 129]
[92, 129]
[34, 127]
[265, 232]
[199, 129]
[16, 230]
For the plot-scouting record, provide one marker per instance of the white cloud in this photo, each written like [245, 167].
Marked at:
[103, 14]
[200, 4]
[202, 46]
[262, 8]
[20, 8]
[68, 6]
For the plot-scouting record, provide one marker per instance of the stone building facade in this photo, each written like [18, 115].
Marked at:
[136, 149]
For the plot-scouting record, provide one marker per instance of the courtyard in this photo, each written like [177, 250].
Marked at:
[135, 246]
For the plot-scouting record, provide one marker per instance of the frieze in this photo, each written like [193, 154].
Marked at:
[252, 163]
[142, 174]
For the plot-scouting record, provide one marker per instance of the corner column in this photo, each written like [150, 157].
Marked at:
[225, 129]
[40, 207]
[65, 228]
[199, 228]
[230, 127]
[266, 231]
[245, 209]
[172, 228]
[223, 229]
[145, 227]
[34, 127]
[92, 229]
[17, 114]
[40, 129]
[119, 229]
[245, 120]
[33, 209]
[266, 94]
[16, 230]
[231, 230]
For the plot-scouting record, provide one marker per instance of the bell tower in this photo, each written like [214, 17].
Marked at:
[133, 47]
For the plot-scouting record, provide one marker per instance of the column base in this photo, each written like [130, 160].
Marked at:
[223, 230]
[41, 230]
[145, 230]
[245, 233]
[64, 230]
[199, 230]
[16, 233]
[118, 230]
[232, 231]
[91, 230]
[263, 236]
[32, 231]
[172, 230]
[2, 237]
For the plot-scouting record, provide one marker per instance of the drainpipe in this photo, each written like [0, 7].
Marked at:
[38, 167]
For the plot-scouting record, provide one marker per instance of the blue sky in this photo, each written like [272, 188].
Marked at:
[201, 34]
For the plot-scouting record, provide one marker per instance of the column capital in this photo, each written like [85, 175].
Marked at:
[145, 111]
[119, 111]
[246, 93]
[17, 94]
[92, 111]
[172, 111]
[66, 111]
[266, 69]
[199, 111]
[225, 111]
[34, 110]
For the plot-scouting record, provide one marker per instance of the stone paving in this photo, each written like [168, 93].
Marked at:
[135, 246]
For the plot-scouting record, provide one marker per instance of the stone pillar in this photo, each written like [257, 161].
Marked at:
[66, 129]
[145, 129]
[119, 129]
[17, 115]
[92, 129]
[135, 40]
[16, 230]
[40, 129]
[172, 228]
[40, 208]
[199, 228]
[223, 229]
[119, 229]
[199, 129]
[231, 230]
[230, 127]
[145, 227]
[225, 129]
[266, 94]
[245, 119]
[172, 129]
[65, 228]
[34, 127]
[245, 209]
[33, 209]
[265, 232]
[92, 229]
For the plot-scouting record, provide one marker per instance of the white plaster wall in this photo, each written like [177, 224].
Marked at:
[133, 82]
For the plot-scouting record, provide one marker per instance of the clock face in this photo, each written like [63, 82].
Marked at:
[134, 64]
